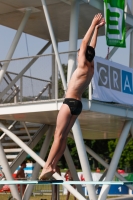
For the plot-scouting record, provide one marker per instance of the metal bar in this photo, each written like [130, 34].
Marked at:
[7, 172]
[27, 130]
[131, 51]
[73, 38]
[12, 95]
[54, 44]
[102, 162]
[14, 43]
[53, 59]
[83, 158]
[10, 127]
[21, 89]
[102, 177]
[56, 79]
[15, 96]
[90, 91]
[25, 76]
[37, 56]
[34, 182]
[38, 159]
[23, 71]
[42, 91]
[37, 167]
[10, 78]
[95, 183]
[71, 167]
[60, 182]
[114, 49]
[5, 78]
[115, 159]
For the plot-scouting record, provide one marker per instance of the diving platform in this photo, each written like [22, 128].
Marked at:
[98, 120]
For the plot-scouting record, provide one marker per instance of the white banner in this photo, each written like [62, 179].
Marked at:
[112, 82]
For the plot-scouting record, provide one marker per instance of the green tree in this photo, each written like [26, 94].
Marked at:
[126, 159]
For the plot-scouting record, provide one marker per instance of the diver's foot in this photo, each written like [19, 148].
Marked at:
[46, 173]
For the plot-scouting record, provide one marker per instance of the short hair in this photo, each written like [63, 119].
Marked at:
[90, 53]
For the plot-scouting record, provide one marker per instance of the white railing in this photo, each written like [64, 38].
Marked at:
[33, 78]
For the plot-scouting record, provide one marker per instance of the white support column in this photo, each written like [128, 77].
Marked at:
[24, 70]
[54, 44]
[73, 38]
[14, 43]
[90, 92]
[102, 162]
[27, 131]
[131, 43]
[37, 168]
[72, 169]
[115, 160]
[16, 95]
[53, 74]
[56, 80]
[21, 89]
[83, 158]
[54, 77]
[131, 51]
[7, 173]
[38, 159]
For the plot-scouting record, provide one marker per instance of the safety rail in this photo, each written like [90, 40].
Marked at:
[12, 95]
[34, 78]
[48, 86]
[17, 92]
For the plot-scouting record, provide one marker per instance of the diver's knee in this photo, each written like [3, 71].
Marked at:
[59, 136]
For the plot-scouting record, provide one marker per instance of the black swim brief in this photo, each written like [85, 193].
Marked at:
[74, 105]
[90, 53]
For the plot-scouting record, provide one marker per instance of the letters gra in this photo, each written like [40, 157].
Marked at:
[114, 78]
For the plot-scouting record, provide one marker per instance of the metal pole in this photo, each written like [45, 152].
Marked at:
[27, 131]
[21, 89]
[54, 43]
[72, 169]
[24, 70]
[131, 51]
[7, 172]
[90, 92]
[114, 49]
[16, 95]
[14, 43]
[83, 159]
[54, 77]
[53, 74]
[102, 162]
[38, 159]
[36, 170]
[115, 160]
[73, 37]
